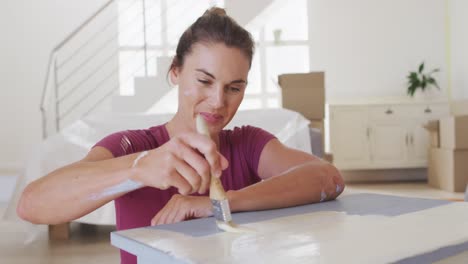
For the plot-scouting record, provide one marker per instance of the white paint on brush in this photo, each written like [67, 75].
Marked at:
[123, 187]
[320, 237]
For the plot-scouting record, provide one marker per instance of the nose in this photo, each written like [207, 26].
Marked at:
[217, 97]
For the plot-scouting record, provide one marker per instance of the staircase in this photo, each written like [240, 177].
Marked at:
[83, 74]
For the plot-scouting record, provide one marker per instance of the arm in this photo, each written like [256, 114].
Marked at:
[79, 188]
[70, 192]
[290, 178]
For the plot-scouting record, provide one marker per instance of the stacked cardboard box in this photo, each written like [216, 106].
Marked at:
[305, 93]
[448, 155]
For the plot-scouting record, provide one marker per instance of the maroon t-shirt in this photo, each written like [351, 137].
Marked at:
[241, 147]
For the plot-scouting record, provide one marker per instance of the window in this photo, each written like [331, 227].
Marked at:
[151, 28]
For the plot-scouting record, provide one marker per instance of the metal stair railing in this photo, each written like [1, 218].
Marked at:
[52, 105]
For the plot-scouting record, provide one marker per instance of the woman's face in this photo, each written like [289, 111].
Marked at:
[211, 83]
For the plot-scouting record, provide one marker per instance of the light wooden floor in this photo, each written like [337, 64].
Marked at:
[90, 244]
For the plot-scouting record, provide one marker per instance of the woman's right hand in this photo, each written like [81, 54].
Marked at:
[184, 162]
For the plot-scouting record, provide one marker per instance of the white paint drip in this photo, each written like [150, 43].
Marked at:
[323, 196]
[123, 187]
[320, 237]
[338, 189]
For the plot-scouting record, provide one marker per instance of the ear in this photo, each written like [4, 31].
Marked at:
[174, 76]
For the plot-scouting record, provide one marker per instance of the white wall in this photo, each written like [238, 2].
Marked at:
[367, 47]
[459, 48]
[30, 30]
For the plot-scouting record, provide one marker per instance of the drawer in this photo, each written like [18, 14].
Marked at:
[419, 111]
[433, 111]
[390, 112]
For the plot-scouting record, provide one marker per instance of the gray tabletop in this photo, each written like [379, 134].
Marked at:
[358, 204]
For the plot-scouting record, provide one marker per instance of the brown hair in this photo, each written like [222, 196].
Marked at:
[214, 26]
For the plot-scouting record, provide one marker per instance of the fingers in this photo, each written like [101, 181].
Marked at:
[207, 148]
[190, 175]
[224, 162]
[178, 181]
[173, 212]
[198, 164]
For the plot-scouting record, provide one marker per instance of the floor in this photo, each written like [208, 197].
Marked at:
[90, 244]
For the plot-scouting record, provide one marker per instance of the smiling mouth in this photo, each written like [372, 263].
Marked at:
[211, 118]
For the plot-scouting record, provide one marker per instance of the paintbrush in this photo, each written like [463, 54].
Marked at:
[221, 210]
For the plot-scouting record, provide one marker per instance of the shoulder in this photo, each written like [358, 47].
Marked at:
[247, 133]
[130, 141]
[250, 141]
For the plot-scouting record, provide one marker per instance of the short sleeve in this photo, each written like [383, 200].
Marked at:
[254, 140]
[127, 142]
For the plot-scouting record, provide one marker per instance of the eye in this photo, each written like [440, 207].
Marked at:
[235, 89]
[204, 81]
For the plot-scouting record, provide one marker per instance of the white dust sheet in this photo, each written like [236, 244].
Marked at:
[320, 237]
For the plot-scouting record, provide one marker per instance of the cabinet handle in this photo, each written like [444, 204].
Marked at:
[411, 139]
[427, 110]
[368, 132]
[389, 112]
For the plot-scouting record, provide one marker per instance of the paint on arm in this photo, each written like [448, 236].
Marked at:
[123, 187]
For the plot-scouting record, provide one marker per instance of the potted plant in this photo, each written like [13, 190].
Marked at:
[420, 80]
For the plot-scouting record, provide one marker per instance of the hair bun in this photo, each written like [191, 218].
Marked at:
[215, 11]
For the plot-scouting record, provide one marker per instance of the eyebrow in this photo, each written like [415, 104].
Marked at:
[212, 76]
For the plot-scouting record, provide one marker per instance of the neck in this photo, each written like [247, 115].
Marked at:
[179, 125]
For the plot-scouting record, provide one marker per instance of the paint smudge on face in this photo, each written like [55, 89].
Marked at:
[189, 92]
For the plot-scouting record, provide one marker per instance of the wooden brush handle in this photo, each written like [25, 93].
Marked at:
[216, 188]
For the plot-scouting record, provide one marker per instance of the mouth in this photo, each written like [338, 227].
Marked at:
[212, 118]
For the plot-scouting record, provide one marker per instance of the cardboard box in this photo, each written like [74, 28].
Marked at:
[328, 157]
[304, 93]
[434, 136]
[459, 107]
[448, 169]
[454, 132]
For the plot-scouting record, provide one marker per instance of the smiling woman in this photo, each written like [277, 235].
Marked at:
[161, 175]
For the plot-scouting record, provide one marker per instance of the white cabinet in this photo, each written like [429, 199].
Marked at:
[378, 136]
[352, 145]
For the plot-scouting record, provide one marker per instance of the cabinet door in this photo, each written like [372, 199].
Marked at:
[388, 144]
[418, 142]
[348, 138]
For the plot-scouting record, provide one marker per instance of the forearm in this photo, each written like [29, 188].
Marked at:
[74, 190]
[306, 183]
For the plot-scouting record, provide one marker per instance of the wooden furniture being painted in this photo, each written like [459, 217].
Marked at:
[141, 241]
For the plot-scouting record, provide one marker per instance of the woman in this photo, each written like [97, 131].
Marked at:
[161, 175]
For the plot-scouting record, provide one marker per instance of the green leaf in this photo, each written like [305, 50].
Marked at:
[421, 67]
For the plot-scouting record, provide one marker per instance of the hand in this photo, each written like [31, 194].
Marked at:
[185, 162]
[181, 208]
